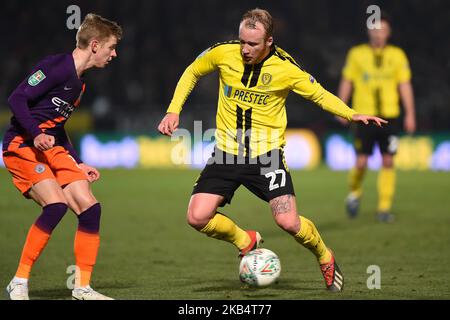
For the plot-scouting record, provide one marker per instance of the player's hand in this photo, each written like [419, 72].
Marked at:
[91, 173]
[410, 124]
[367, 119]
[44, 142]
[342, 121]
[169, 124]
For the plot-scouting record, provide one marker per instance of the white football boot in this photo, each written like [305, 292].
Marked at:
[17, 290]
[87, 293]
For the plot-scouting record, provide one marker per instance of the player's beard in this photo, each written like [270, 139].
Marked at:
[247, 61]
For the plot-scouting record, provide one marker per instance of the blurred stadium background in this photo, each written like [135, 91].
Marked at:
[116, 124]
[163, 37]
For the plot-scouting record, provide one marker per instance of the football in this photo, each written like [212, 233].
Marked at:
[259, 268]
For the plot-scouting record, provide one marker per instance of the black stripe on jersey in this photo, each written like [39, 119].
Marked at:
[294, 62]
[279, 55]
[246, 75]
[378, 59]
[239, 127]
[291, 60]
[225, 42]
[256, 68]
[248, 131]
[255, 76]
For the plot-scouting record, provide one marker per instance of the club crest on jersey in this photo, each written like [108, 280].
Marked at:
[36, 78]
[266, 78]
[39, 168]
[311, 79]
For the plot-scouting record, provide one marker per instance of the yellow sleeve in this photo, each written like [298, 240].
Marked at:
[305, 85]
[403, 73]
[205, 63]
[333, 104]
[350, 70]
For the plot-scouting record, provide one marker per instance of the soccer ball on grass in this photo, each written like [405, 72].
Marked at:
[259, 268]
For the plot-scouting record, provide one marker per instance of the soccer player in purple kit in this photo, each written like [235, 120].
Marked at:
[42, 161]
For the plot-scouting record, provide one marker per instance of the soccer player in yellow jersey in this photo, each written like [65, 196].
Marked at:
[378, 73]
[255, 78]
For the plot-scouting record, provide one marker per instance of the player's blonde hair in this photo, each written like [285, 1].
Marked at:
[258, 15]
[96, 27]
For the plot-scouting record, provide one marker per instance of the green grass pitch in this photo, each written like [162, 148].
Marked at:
[149, 252]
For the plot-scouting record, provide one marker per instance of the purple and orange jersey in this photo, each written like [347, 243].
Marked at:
[44, 101]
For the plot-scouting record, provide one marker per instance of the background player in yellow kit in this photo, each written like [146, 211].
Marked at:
[377, 73]
[255, 78]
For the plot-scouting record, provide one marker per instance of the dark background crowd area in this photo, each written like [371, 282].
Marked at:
[161, 38]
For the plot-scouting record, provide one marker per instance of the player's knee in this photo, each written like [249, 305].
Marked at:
[87, 202]
[83, 203]
[196, 219]
[89, 220]
[289, 223]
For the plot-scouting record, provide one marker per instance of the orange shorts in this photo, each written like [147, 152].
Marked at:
[28, 166]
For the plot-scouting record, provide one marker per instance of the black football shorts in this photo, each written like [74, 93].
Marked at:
[266, 176]
[386, 137]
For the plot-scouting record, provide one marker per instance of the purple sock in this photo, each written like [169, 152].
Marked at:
[51, 216]
[89, 220]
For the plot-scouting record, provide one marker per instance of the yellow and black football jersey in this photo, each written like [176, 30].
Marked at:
[376, 74]
[251, 115]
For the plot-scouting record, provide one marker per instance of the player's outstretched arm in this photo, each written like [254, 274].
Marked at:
[333, 104]
[367, 119]
[169, 123]
[344, 93]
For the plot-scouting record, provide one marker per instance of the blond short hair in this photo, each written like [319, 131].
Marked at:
[96, 27]
[258, 15]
